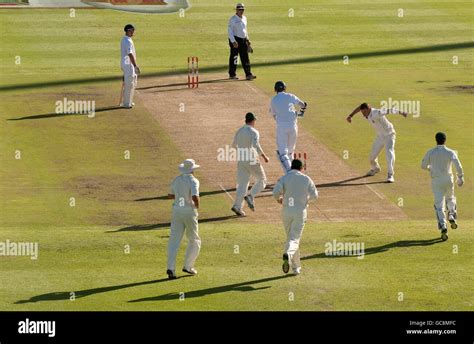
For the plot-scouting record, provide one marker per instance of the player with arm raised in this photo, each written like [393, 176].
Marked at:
[385, 136]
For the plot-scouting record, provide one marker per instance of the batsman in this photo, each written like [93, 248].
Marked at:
[283, 109]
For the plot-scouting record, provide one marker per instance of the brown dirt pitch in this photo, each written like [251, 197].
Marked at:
[203, 120]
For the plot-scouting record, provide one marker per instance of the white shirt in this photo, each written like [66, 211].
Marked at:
[439, 161]
[248, 137]
[282, 107]
[237, 27]
[377, 118]
[127, 47]
[183, 188]
[296, 188]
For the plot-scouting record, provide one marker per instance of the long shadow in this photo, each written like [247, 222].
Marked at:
[201, 194]
[383, 248]
[65, 295]
[219, 68]
[168, 224]
[243, 287]
[345, 182]
[186, 84]
[54, 114]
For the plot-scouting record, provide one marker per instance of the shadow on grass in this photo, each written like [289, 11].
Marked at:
[272, 62]
[346, 181]
[383, 248]
[269, 187]
[54, 114]
[168, 224]
[212, 81]
[243, 287]
[66, 295]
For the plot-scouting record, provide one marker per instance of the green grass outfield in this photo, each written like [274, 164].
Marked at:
[73, 156]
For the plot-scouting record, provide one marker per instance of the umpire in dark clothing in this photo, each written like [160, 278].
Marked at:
[239, 43]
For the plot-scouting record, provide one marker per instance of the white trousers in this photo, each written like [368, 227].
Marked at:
[184, 219]
[443, 189]
[244, 171]
[293, 220]
[389, 143]
[130, 82]
[286, 143]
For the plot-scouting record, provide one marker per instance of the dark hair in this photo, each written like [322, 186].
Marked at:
[364, 106]
[296, 164]
[440, 138]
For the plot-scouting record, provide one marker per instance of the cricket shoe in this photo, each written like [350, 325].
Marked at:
[250, 203]
[452, 221]
[191, 271]
[171, 274]
[444, 234]
[373, 171]
[286, 265]
[238, 212]
[296, 271]
[250, 77]
[235, 77]
[390, 179]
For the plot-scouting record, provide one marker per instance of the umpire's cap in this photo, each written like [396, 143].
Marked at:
[280, 86]
[240, 6]
[249, 117]
[128, 27]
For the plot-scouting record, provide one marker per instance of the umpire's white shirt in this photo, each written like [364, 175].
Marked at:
[282, 107]
[127, 47]
[183, 188]
[439, 161]
[377, 118]
[297, 188]
[237, 27]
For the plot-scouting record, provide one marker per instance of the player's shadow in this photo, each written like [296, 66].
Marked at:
[181, 85]
[54, 114]
[382, 248]
[269, 187]
[168, 224]
[242, 287]
[346, 182]
[67, 295]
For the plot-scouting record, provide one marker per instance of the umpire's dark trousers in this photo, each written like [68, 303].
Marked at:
[244, 57]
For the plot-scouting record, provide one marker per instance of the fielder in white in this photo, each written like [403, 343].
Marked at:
[439, 161]
[283, 109]
[293, 190]
[247, 143]
[385, 137]
[185, 191]
[128, 63]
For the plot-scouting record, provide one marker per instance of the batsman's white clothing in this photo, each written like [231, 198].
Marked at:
[129, 75]
[185, 219]
[296, 188]
[247, 143]
[283, 109]
[439, 161]
[385, 138]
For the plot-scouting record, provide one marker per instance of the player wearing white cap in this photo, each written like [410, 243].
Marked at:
[293, 190]
[128, 63]
[385, 137]
[185, 191]
[439, 162]
[283, 108]
[247, 143]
